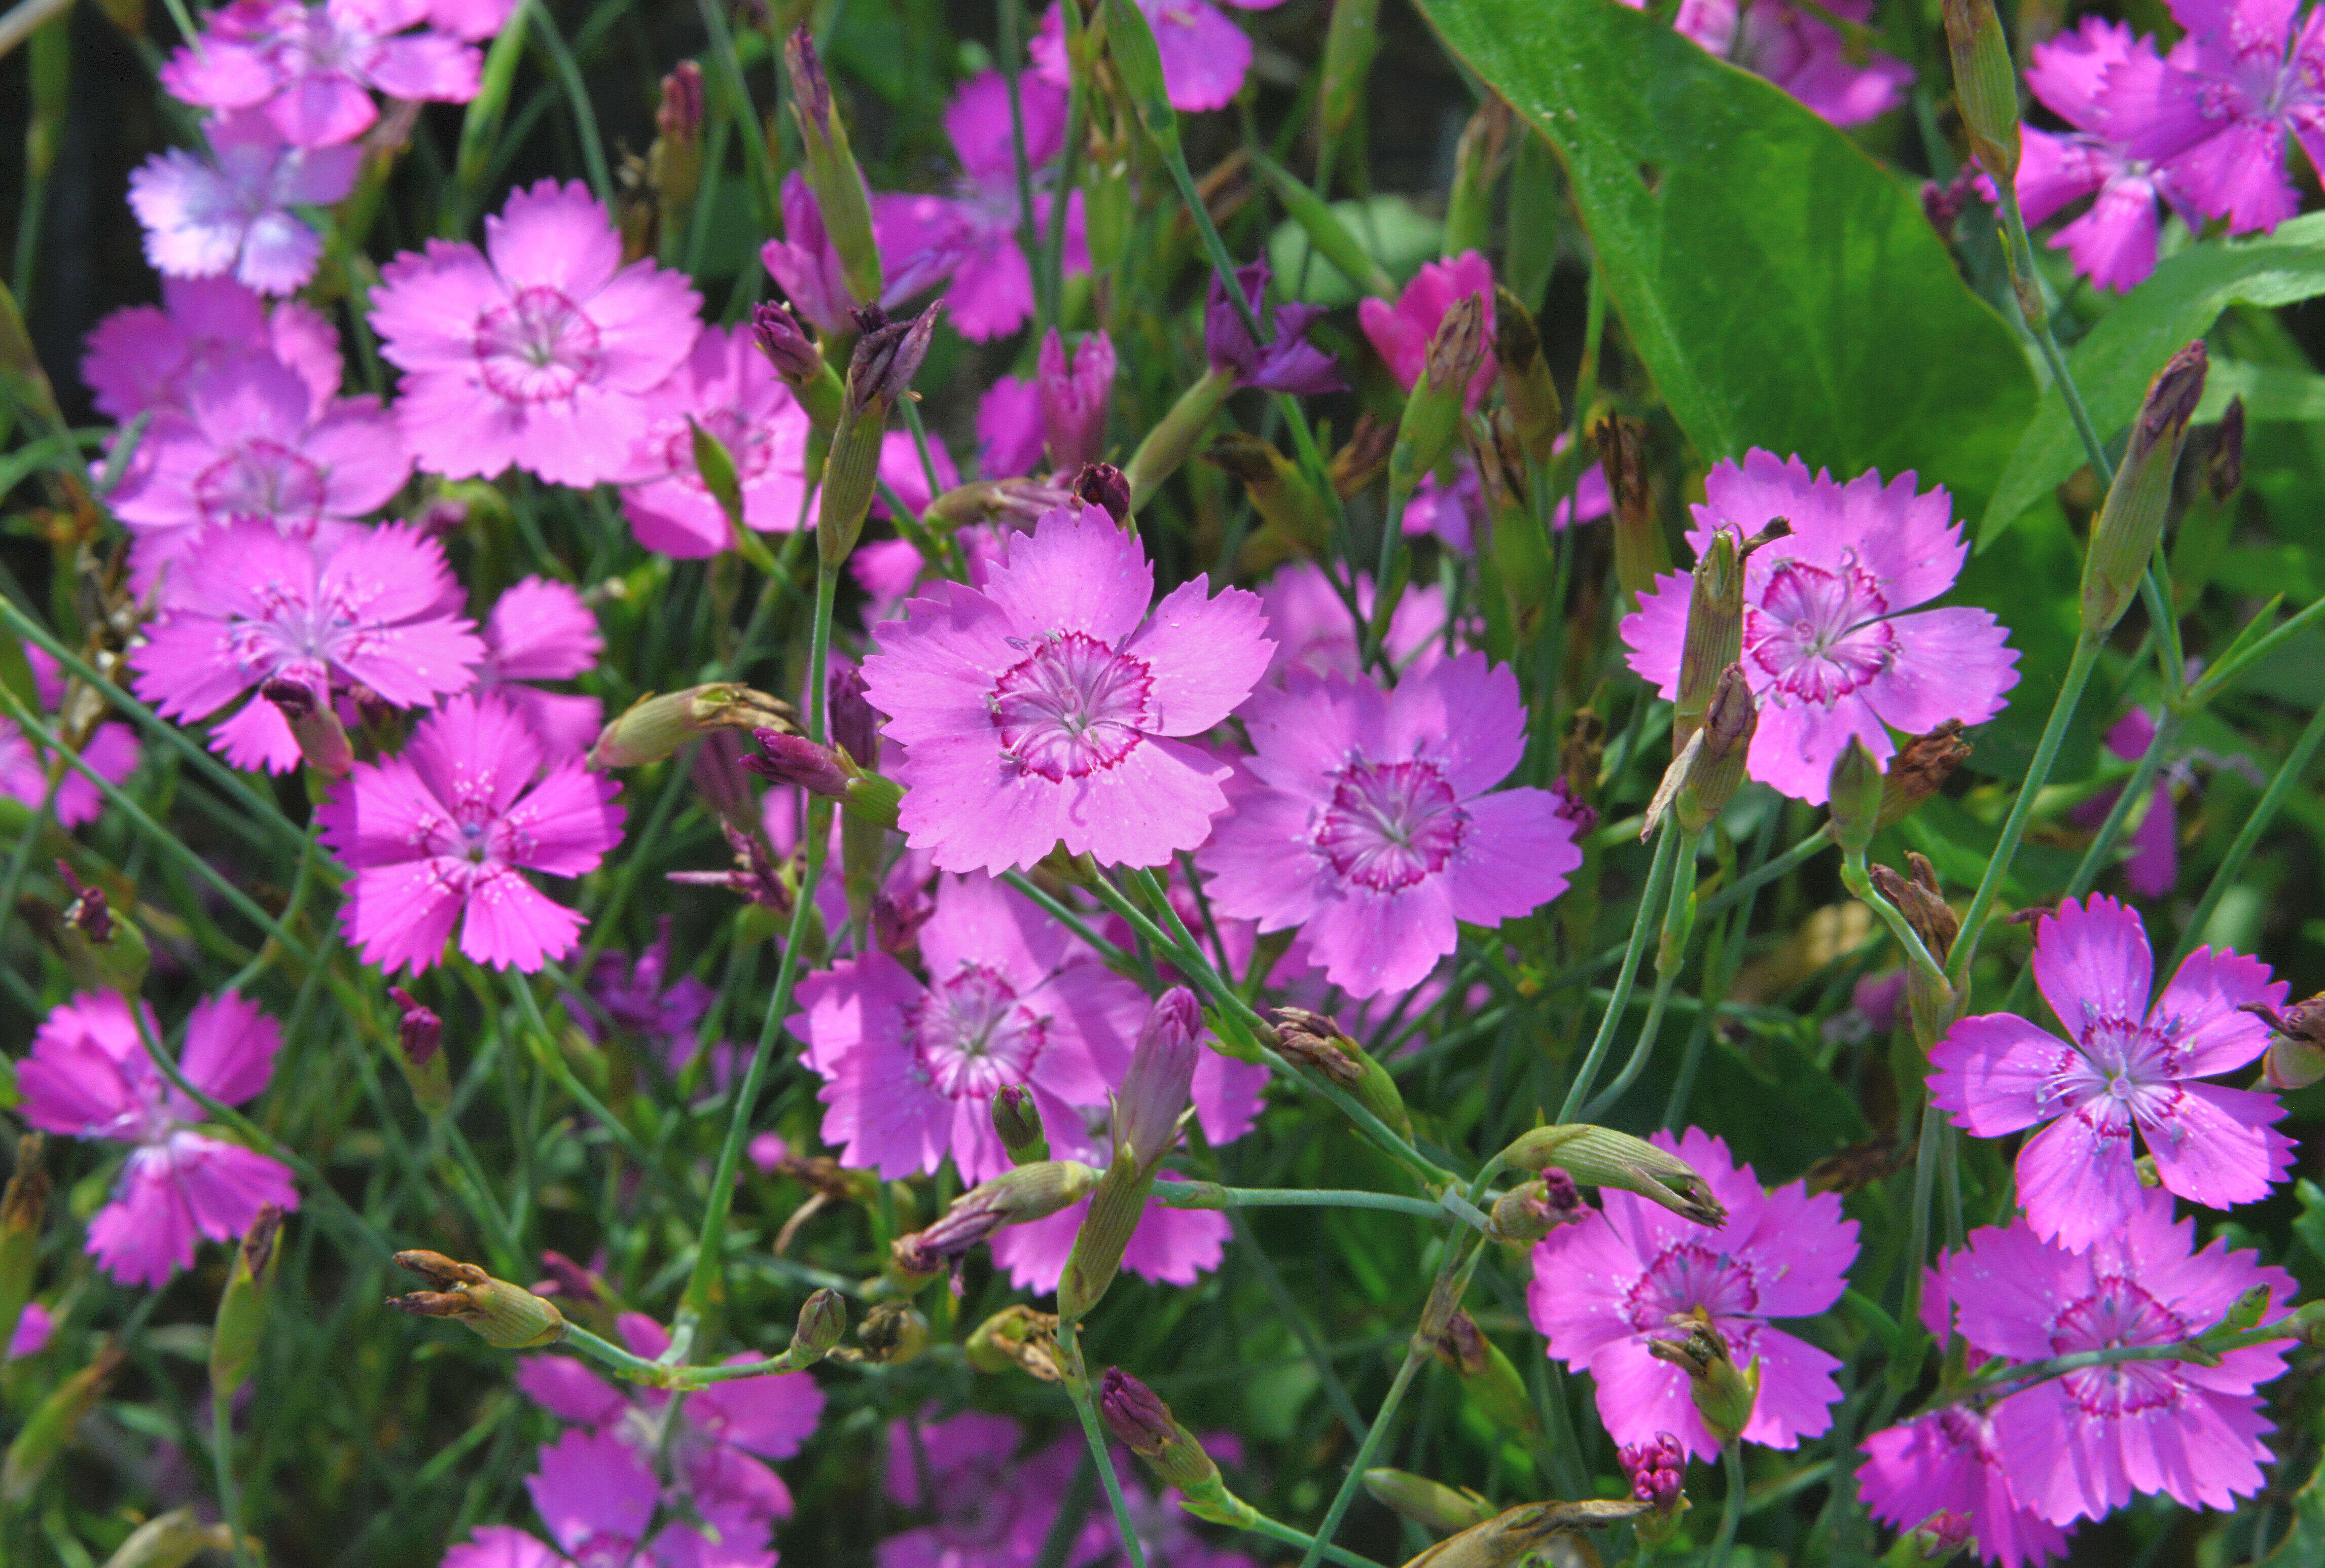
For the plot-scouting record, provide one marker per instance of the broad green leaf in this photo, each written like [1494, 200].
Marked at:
[1392, 234]
[2272, 393]
[1783, 289]
[2115, 361]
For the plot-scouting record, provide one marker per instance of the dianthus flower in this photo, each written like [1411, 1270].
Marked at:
[969, 237]
[987, 1507]
[89, 1076]
[311, 69]
[725, 1431]
[1401, 332]
[1606, 1286]
[2125, 1065]
[806, 265]
[1374, 833]
[909, 1069]
[541, 630]
[1827, 647]
[111, 749]
[2216, 111]
[142, 357]
[439, 834]
[1050, 705]
[1314, 632]
[1009, 434]
[2080, 1445]
[2153, 867]
[730, 390]
[1205, 56]
[1800, 53]
[255, 443]
[2113, 243]
[473, 20]
[358, 607]
[537, 351]
[34, 1327]
[596, 1499]
[1287, 361]
[230, 212]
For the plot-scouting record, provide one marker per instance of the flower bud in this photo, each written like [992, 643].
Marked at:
[784, 340]
[1641, 551]
[1351, 39]
[1426, 1502]
[1921, 901]
[1985, 85]
[1018, 1124]
[322, 738]
[1143, 1423]
[2296, 1053]
[1716, 771]
[42, 1437]
[508, 1318]
[822, 1319]
[1020, 1337]
[1432, 410]
[1522, 1218]
[89, 913]
[880, 374]
[1715, 632]
[1315, 1041]
[1153, 1097]
[893, 1334]
[1500, 460]
[2123, 539]
[242, 1309]
[1107, 487]
[1074, 391]
[1657, 1470]
[674, 161]
[1511, 1538]
[1920, 769]
[1598, 1157]
[1357, 464]
[1854, 797]
[840, 196]
[1528, 392]
[419, 1035]
[1723, 1393]
[2224, 465]
[1034, 1191]
[848, 717]
[654, 727]
[23, 1206]
[794, 759]
[102, 950]
[1166, 446]
[1487, 1375]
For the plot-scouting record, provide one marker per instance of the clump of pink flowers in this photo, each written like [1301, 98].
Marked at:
[311, 69]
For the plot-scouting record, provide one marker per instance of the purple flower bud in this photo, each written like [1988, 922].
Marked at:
[88, 913]
[322, 741]
[810, 88]
[420, 1031]
[1134, 1413]
[679, 114]
[1162, 1073]
[441, 517]
[854, 728]
[1104, 485]
[888, 356]
[1074, 393]
[784, 339]
[1657, 1469]
[795, 759]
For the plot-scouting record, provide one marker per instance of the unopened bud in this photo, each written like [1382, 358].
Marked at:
[1314, 1041]
[1143, 1423]
[1017, 1121]
[2224, 465]
[1026, 1192]
[1598, 1157]
[242, 1309]
[1985, 85]
[1426, 1502]
[2296, 1053]
[838, 183]
[102, 951]
[314, 724]
[1920, 769]
[674, 163]
[794, 759]
[2123, 539]
[1723, 1393]
[1527, 391]
[87, 915]
[822, 1319]
[508, 1317]
[1433, 409]
[1487, 1375]
[1020, 1337]
[1718, 770]
[893, 1334]
[855, 728]
[792, 349]
[888, 356]
[1715, 632]
[1162, 1073]
[1104, 486]
[1522, 1218]
[655, 726]
[1854, 797]
[419, 1031]
[1641, 552]
[1657, 1471]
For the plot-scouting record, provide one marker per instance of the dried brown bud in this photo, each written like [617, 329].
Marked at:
[508, 1317]
[1920, 769]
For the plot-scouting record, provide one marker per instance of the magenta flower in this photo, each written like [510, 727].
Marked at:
[597, 1499]
[1074, 391]
[2078, 1446]
[1401, 332]
[806, 265]
[1374, 831]
[968, 238]
[1287, 361]
[470, 20]
[439, 834]
[1950, 1462]
[1833, 77]
[988, 1509]
[89, 1076]
[1314, 632]
[909, 1069]
[1827, 648]
[538, 351]
[1170, 1245]
[255, 443]
[1205, 56]
[2113, 243]
[361, 608]
[111, 749]
[313, 69]
[230, 212]
[726, 1432]
[142, 357]
[1009, 434]
[639, 995]
[2215, 113]
[541, 630]
[1051, 706]
[1606, 1286]
[2125, 1065]
[2153, 867]
[730, 390]
[35, 1327]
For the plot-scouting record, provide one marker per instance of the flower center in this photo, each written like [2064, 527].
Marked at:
[1390, 824]
[1071, 708]
[971, 1035]
[1818, 635]
[1686, 1275]
[2119, 1070]
[260, 479]
[537, 348]
[2120, 1313]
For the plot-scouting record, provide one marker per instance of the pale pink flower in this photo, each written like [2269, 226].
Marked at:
[2080, 1445]
[1401, 332]
[2113, 243]
[89, 1076]
[1827, 648]
[1315, 634]
[539, 629]
[439, 833]
[538, 351]
[805, 265]
[1074, 389]
[142, 357]
[355, 608]
[1051, 706]
[471, 20]
[597, 1499]
[1832, 76]
[1170, 1245]
[730, 390]
[24, 763]
[1375, 831]
[2125, 1065]
[1606, 1286]
[988, 1508]
[313, 69]
[230, 212]
[1205, 56]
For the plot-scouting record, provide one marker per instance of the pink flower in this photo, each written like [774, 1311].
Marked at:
[34, 1329]
[901, 470]
[2125, 1065]
[2113, 243]
[1315, 634]
[1827, 646]
[473, 20]
[541, 630]
[1401, 332]
[1205, 56]
[2215, 113]
[1374, 832]
[1009, 435]
[991, 1509]
[142, 357]
[313, 69]
[439, 834]
[1606, 1286]
[2078, 1446]
[724, 1433]
[909, 1069]
[1833, 77]
[1454, 512]
[359, 608]
[633, 995]
[805, 265]
[89, 1076]
[538, 351]
[1950, 1462]
[2153, 869]
[231, 212]
[1169, 1247]
[598, 1499]
[111, 749]
[1050, 705]
[728, 388]
[969, 238]
[255, 443]
[1073, 392]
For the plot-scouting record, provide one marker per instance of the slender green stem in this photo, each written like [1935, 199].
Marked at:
[1605, 1100]
[1731, 1513]
[635, 1369]
[727, 67]
[1078, 1389]
[1211, 1195]
[2232, 864]
[222, 1460]
[1013, 28]
[1651, 907]
[1276, 1530]
[577, 93]
[1908, 1365]
[1413, 1357]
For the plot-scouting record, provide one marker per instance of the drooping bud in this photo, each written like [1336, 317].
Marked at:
[845, 204]
[1522, 1218]
[1074, 391]
[1854, 797]
[2296, 1053]
[1641, 552]
[322, 738]
[102, 950]
[1026, 1192]
[1920, 769]
[1107, 487]
[821, 770]
[242, 1309]
[1313, 1041]
[1427, 1503]
[1018, 1124]
[23, 1206]
[87, 915]
[1985, 85]
[42, 1437]
[1598, 1157]
[508, 1317]
[822, 1319]
[2123, 539]
[1723, 1393]
[654, 727]
[2224, 465]
[1146, 1118]
[674, 161]
[1020, 1337]
[1715, 632]
[893, 1334]
[1527, 390]
[1921, 901]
